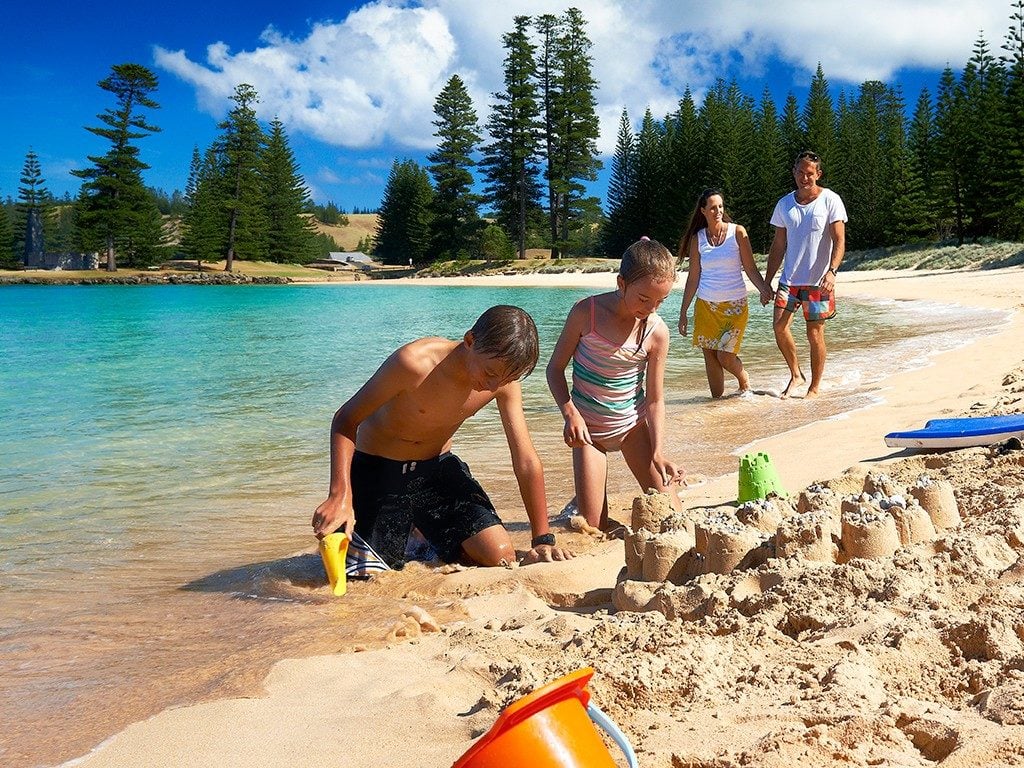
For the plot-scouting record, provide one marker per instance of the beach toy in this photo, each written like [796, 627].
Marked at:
[758, 478]
[333, 548]
[553, 727]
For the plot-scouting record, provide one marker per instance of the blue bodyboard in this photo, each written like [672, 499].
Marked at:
[960, 433]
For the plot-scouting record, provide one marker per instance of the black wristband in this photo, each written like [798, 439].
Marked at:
[544, 538]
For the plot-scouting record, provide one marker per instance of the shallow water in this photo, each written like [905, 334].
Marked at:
[164, 447]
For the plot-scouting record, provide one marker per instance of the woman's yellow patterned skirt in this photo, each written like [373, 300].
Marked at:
[719, 325]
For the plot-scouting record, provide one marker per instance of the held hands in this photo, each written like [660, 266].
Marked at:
[767, 295]
[332, 515]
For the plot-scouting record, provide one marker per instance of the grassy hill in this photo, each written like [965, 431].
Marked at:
[360, 225]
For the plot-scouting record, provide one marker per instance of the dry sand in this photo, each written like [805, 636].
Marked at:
[906, 658]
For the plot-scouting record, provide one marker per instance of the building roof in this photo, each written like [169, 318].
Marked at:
[350, 256]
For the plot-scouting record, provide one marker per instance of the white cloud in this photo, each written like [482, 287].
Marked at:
[357, 83]
[372, 78]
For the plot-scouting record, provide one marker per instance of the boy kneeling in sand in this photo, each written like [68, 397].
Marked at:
[391, 463]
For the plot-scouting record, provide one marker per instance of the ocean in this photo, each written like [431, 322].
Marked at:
[162, 449]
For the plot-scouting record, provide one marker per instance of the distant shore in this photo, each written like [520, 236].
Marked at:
[534, 270]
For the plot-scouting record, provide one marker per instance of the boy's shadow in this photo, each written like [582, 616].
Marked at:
[291, 577]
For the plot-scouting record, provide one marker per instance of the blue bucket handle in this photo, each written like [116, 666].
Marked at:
[609, 726]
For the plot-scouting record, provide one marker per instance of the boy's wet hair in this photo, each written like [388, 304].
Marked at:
[647, 258]
[508, 333]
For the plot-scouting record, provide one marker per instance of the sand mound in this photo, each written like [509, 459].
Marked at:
[911, 658]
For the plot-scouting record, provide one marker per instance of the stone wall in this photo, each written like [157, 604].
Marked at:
[65, 261]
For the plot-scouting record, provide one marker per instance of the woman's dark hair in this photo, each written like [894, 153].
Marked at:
[698, 221]
[509, 334]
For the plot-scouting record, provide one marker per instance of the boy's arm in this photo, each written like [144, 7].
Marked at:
[528, 469]
[397, 373]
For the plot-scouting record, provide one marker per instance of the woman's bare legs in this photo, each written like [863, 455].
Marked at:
[716, 376]
[716, 363]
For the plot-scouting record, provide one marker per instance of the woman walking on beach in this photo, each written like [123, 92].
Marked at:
[719, 253]
[614, 340]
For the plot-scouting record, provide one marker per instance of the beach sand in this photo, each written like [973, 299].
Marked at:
[912, 657]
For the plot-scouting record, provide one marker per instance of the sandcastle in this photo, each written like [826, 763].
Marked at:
[818, 497]
[936, 497]
[636, 543]
[654, 554]
[724, 542]
[824, 527]
[764, 514]
[913, 524]
[881, 483]
[867, 531]
[664, 556]
[649, 510]
[811, 534]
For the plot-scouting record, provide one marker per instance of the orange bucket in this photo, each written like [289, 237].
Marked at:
[553, 727]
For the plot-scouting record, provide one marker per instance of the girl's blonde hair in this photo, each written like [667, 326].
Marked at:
[647, 258]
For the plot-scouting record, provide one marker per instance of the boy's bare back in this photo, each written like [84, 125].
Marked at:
[428, 393]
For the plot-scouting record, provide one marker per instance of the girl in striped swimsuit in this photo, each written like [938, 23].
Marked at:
[615, 341]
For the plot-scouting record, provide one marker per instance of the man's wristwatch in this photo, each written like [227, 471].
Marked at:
[832, 270]
[544, 538]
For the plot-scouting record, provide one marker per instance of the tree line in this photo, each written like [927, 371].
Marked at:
[244, 197]
[540, 150]
[952, 170]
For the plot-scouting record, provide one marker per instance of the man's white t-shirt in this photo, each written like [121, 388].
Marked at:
[808, 235]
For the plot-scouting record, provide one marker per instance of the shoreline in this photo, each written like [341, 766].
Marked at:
[457, 669]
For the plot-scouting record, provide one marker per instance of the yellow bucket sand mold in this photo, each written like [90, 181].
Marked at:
[333, 548]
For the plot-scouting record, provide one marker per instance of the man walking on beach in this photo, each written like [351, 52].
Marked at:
[809, 244]
[392, 468]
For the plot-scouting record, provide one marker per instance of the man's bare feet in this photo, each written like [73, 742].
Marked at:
[811, 394]
[794, 381]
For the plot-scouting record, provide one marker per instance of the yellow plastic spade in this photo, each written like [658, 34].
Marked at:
[333, 548]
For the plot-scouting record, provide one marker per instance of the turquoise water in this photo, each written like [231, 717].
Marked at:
[163, 448]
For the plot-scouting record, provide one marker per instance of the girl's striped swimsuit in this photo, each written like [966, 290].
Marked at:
[607, 380]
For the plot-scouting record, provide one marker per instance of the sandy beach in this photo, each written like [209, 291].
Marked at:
[800, 655]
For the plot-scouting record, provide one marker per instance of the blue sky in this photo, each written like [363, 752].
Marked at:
[354, 83]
